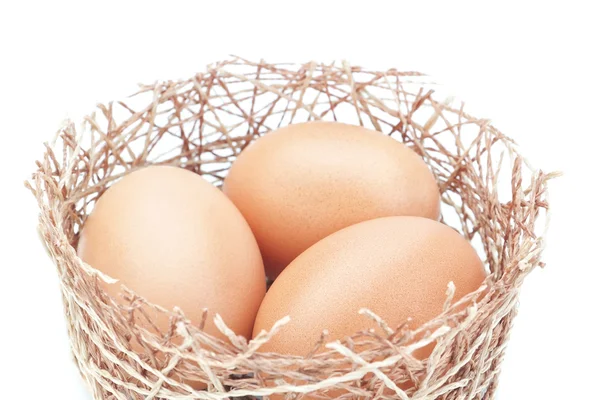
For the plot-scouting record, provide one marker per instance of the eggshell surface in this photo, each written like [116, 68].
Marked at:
[305, 181]
[176, 240]
[398, 267]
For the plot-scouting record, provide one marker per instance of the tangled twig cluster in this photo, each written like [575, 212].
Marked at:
[489, 192]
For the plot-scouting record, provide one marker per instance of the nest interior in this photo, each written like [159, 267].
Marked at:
[490, 194]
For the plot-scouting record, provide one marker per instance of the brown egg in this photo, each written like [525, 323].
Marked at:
[303, 182]
[398, 267]
[175, 239]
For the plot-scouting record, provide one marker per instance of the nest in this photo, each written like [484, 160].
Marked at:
[490, 194]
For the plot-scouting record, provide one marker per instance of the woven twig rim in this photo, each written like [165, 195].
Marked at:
[490, 194]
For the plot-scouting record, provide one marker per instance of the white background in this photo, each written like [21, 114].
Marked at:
[531, 68]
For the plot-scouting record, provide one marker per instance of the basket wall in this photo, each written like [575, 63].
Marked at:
[489, 193]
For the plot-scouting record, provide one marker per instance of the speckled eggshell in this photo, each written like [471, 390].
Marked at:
[305, 181]
[177, 240]
[398, 267]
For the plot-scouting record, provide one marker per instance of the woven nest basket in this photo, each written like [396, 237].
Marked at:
[490, 194]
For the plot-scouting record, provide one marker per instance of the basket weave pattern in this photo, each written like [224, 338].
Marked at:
[489, 193]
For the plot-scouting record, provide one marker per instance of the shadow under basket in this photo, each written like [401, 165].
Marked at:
[489, 193]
